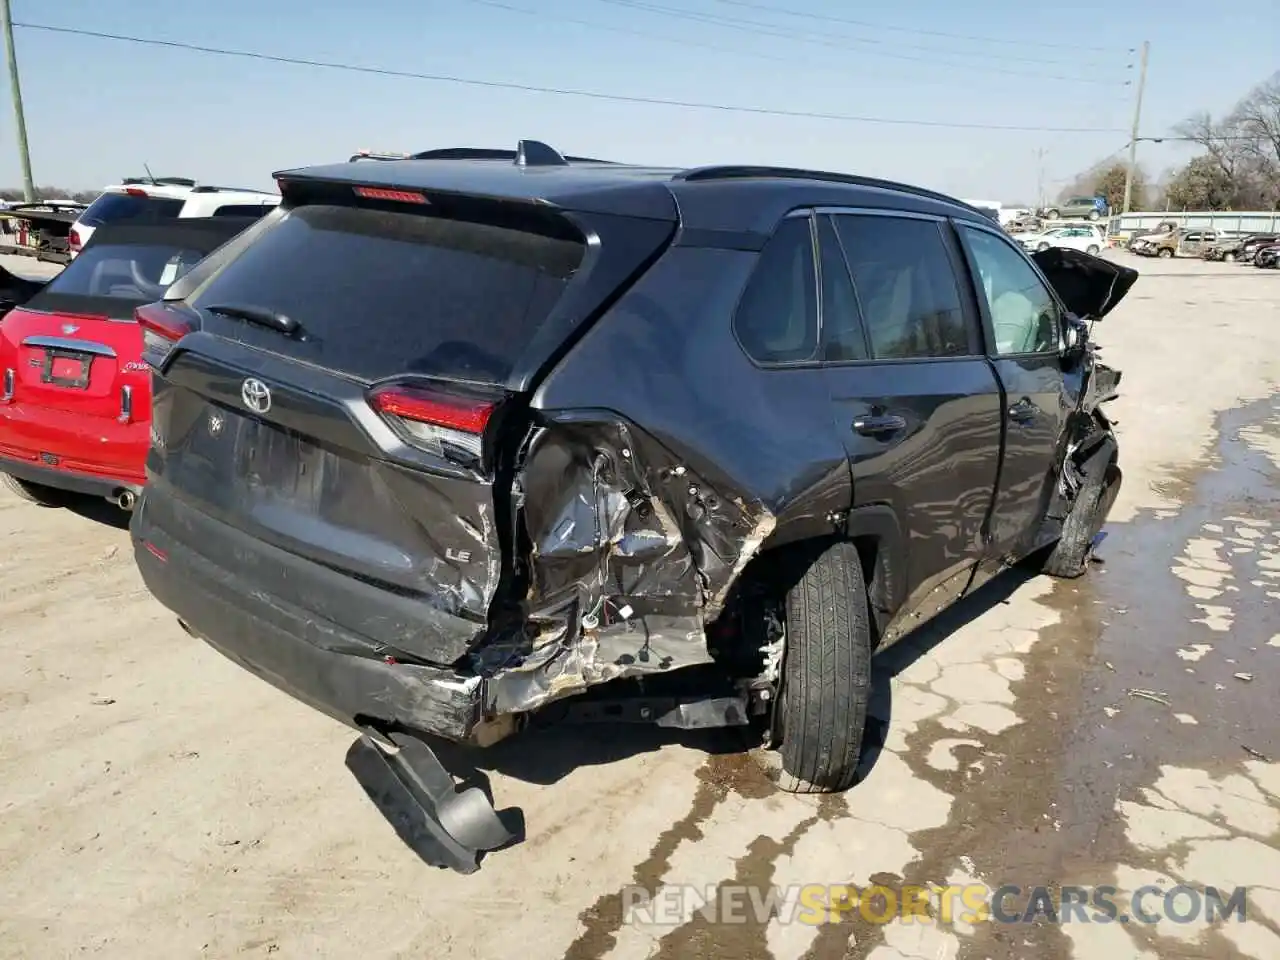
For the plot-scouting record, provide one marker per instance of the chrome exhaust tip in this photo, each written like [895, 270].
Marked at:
[125, 500]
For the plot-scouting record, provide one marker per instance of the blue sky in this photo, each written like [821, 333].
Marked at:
[97, 109]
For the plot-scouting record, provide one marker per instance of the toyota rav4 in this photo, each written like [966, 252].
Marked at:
[446, 440]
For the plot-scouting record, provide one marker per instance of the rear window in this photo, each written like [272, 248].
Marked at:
[114, 207]
[379, 293]
[125, 265]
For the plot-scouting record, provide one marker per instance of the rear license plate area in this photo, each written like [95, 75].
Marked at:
[66, 368]
[258, 460]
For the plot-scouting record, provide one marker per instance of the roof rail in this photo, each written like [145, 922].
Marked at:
[212, 188]
[744, 172]
[528, 153]
[162, 181]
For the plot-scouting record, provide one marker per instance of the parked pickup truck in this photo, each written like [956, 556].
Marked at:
[736, 428]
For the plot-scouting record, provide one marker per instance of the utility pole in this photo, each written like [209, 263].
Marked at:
[19, 120]
[1133, 135]
[1040, 152]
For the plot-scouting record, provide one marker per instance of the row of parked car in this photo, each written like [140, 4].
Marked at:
[1260, 249]
[1171, 240]
[446, 444]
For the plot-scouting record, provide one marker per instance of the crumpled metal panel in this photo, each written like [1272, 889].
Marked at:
[631, 553]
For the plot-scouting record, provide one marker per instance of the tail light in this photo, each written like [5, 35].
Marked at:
[74, 243]
[162, 327]
[433, 421]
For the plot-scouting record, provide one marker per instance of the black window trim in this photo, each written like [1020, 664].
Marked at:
[970, 307]
[814, 361]
[829, 219]
[988, 328]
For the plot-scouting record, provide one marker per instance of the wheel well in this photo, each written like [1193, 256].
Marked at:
[874, 575]
[761, 590]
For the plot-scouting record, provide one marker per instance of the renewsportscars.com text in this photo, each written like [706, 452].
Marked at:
[817, 904]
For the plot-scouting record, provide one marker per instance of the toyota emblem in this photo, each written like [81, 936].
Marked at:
[256, 395]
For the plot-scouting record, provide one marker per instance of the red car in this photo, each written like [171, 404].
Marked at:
[75, 393]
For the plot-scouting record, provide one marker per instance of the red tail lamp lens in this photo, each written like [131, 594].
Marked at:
[436, 421]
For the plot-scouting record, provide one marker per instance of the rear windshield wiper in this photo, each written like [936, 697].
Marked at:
[259, 315]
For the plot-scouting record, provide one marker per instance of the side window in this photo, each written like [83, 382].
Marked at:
[905, 285]
[843, 338]
[777, 318]
[1024, 315]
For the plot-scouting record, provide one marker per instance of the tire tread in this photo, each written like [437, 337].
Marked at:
[827, 674]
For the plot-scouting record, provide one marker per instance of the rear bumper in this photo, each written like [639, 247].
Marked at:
[92, 485]
[305, 655]
[96, 451]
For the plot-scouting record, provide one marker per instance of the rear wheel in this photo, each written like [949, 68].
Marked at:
[1051, 214]
[1165, 253]
[1092, 249]
[34, 492]
[826, 677]
[1070, 556]
[1094, 214]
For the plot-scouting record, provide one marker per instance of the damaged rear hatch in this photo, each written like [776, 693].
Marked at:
[349, 389]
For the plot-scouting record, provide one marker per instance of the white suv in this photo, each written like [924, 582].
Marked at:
[1087, 237]
[161, 198]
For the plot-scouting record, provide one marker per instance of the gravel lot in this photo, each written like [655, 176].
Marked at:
[157, 801]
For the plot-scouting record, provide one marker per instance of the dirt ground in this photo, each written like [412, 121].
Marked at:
[157, 801]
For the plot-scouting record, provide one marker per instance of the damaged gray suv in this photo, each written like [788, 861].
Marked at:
[448, 443]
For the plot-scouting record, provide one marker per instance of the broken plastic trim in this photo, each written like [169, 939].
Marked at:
[446, 827]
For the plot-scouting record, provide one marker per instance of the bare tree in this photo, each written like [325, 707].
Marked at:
[1256, 119]
[1241, 158]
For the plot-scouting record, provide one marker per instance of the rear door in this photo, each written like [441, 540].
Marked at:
[1024, 328]
[917, 404]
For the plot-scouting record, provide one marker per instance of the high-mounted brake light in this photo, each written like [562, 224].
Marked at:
[435, 421]
[135, 191]
[397, 196]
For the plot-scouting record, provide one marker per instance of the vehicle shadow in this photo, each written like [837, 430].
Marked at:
[897, 658]
[98, 510]
[546, 755]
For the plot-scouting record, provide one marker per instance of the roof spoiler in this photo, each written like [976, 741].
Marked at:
[528, 153]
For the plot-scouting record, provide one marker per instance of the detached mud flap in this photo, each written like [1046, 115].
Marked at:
[444, 826]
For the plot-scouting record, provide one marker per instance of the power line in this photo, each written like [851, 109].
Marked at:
[876, 41]
[773, 30]
[827, 18]
[613, 28]
[682, 41]
[558, 91]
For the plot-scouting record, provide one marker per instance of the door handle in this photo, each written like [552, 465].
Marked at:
[8, 386]
[1024, 411]
[874, 426]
